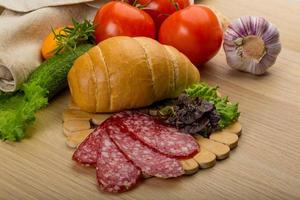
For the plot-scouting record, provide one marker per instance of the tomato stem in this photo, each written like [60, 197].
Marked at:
[134, 3]
[141, 6]
[175, 4]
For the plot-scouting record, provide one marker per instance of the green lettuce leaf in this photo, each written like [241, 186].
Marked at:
[18, 111]
[228, 111]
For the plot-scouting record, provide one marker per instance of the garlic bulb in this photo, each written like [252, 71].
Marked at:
[251, 44]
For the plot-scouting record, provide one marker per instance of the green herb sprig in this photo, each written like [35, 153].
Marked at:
[70, 37]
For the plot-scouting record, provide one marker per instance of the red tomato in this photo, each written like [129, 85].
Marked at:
[159, 10]
[195, 31]
[118, 18]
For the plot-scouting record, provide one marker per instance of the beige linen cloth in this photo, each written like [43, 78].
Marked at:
[23, 26]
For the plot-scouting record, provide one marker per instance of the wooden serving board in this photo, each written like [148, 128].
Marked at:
[77, 125]
[264, 166]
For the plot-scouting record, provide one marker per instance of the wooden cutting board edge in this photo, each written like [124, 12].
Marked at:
[215, 148]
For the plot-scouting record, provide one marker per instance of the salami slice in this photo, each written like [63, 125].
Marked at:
[115, 173]
[87, 152]
[150, 162]
[165, 139]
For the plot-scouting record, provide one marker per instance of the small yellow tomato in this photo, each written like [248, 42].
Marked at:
[50, 43]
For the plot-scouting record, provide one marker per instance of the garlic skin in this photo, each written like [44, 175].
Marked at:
[251, 44]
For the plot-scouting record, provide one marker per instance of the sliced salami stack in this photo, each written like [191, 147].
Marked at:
[115, 173]
[129, 144]
[167, 140]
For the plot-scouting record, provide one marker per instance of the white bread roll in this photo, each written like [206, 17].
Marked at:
[123, 73]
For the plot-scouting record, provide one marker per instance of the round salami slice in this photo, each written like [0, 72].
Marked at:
[87, 152]
[115, 173]
[150, 162]
[163, 138]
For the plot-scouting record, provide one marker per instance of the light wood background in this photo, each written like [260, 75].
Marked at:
[266, 165]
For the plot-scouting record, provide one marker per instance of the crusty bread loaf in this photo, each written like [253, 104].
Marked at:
[122, 73]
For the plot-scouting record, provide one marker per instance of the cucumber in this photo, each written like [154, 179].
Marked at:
[17, 111]
[52, 74]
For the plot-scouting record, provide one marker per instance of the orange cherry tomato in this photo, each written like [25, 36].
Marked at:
[50, 43]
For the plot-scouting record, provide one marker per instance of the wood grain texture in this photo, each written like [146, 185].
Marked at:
[264, 166]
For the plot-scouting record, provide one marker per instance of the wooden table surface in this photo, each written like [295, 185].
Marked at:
[265, 165]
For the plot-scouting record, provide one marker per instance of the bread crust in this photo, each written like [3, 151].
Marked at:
[123, 73]
[102, 86]
[82, 83]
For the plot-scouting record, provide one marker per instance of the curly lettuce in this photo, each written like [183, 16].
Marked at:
[228, 111]
[18, 111]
